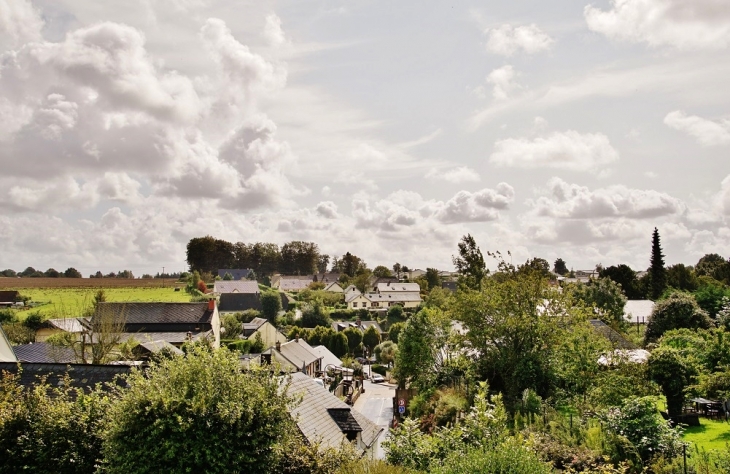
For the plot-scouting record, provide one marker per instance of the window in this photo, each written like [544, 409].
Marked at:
[376, 305]
[354, 305]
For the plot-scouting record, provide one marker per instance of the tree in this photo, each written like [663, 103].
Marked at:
[709, 295]
[71, 272]
[350, 265]
[606, 297]
[677, 311]
[233, 327]
[577, 359]
[9, 272]
[299, 258]
[382, 271]
[560, 267]
[420, 345]
[715, 266]
[338, 344]
[397, 270]
[433, 278]
[396, 328]
[354, 339]
[322, 263]
[265, 258]
[624, 276]
[371, 338]
[385, 352]
[170, 419]
[515, 324]
[314, 315]
[673, 373]
[656, 270]
[470, 262]
[52, 273]
[537, 265]
[227, 276]
[681, 277]
[270, 305]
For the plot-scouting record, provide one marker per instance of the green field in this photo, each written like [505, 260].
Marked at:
[71, 302]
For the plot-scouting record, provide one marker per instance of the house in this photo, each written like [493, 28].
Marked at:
[239, 286]
[449, 285]
[239, 302]
[378, 301]
[413, 274]
[396, 287]
[175, 323]
[6, 350]
[326, 420]
[293, 284]
[295, 356]
[327, 278]
[334, 287]
[50, 327]
[45, 352]
[375, 281]
[236, 273]
[83, 376]
[269, 334]
[638, 310]
[328, 358]
[8, 297]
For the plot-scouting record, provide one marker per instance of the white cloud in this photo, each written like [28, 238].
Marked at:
[20, 23]
[572, 201]
[503, 82]
[460, 174]
[327, 209]
[506, 40]
[706, 132]
[695, 24]
[724, 196]
[567, 150]
[272, 31]
[480, 206]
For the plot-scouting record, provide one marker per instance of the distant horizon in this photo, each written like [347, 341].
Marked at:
[557, 130]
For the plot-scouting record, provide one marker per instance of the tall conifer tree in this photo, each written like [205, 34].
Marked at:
[657, 271]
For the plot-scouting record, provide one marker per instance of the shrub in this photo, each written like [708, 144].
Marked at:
[379, 369]
[200, 413]
[510, 457]
[679, 310]
[241, 345]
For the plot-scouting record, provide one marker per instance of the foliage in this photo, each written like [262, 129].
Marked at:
[639, 422]
[656, 270]
[368, 466]
[623, 379]
[626, 277]
[576, 357]
[328, 298]
[71, 272]
[681, 277]
[679, 310]
[371, 338]
[382, 271]
[673, 374]
[198, 414]
[314, 315]
[605, 297]
[233, 327]
[49, 429]
[385, 352]
[710, 295]
[515, 323]
[509, 457]
[354, 339]
[338, 345]
[349, 264]
[18, 334]
[723, 316]
[8, 316]
[560, 267]
[299, 258]
[714, 266]
[395, 313]
[240, 345]
[536, 265]
[420, 347]
[433, 279]
[302, 457]
[395, 329]
[227, 276]
[470, 262]
[258, 344]
[270, 305]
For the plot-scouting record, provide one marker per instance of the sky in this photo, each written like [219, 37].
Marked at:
[387, 129]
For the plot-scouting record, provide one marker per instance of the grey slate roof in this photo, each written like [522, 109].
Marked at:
[154, 347]
[321, 416]
[617, 340]
[236, 273]
[398, 287]
[73, 325]
[294, 284]
[299, 353]
[159, 313]
[237, 302]
[174, 337]
[44, 352]
[240, 286]
[250, 328]
[84, 376]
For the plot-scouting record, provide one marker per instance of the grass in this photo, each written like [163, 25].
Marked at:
[711, 434]
[65, 302]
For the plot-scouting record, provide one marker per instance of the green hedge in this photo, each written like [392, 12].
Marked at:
[379, 369]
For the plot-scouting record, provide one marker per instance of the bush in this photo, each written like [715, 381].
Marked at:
[270, 304]
[678, 311]
[241, 345]
[170, 419]
[344, 314]
[379, 369]
[510, 457]
[7, 316]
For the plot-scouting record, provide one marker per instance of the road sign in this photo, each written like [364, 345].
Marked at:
[401, 409]
[401, 402]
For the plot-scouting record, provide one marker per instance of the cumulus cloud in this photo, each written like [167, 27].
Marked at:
[696, 24]
[572, 201]
[506, 40]
[272, 31]
[503, 82]
[20, 23]
[480, 206]
[706, 132]
[567, 150]
[460, 174]
[327, 209]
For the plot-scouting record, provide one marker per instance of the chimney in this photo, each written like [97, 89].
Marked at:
[358, 322]
[296, 339]
[211, 304]
[278, 346]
